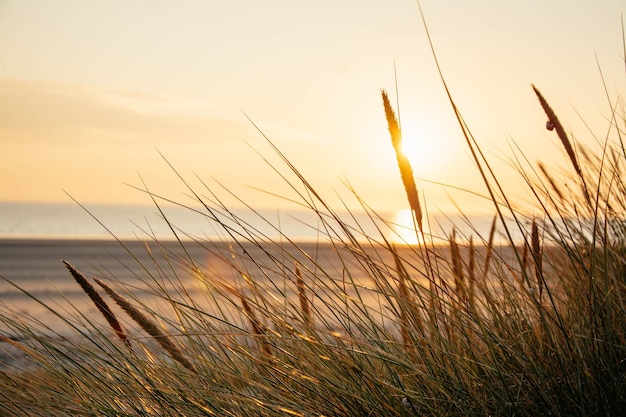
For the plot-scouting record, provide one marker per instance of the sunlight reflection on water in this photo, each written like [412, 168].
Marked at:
[404, 229]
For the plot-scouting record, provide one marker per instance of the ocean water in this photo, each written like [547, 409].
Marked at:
[70, 221]
[61, 221]
[34, 238]
[38, 294]
[36, 285]
[37, 291]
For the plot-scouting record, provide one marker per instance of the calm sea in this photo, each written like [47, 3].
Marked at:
[34, 238]
[63, 221]
[70, 221]
[36, 288]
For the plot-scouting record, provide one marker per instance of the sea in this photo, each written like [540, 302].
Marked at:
[104, 221]
[130, 244]
[137, 251]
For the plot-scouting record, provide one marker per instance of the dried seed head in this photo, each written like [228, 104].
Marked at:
[406, 171]
[489, 254]
[100, 304]
[148, 326]
[471, 270]
[457, 266]
[554, 123]
[257, 328]
[551, 181]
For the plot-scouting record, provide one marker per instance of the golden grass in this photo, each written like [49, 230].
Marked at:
[554, 123]
[472, 341]
[302, 297]
[99, 302]
[406, 171]
[149, 327]
[535, 246]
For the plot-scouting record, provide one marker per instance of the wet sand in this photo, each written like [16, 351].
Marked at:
[46, 287]
[36, 267]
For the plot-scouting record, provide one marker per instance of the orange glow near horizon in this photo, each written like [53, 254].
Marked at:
[404, 230]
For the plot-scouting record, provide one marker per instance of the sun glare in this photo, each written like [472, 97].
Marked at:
[403, 228]
[422, 149]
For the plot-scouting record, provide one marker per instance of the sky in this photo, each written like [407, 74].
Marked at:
[99, 96]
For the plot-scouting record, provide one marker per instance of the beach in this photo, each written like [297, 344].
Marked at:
[36, 272]
[36, 267]
[39, 294]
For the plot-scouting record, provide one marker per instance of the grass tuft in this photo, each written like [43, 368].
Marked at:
[527, 320]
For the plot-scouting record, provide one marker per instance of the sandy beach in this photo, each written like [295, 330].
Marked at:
[46, 287]
[50, 301]
[35, 266]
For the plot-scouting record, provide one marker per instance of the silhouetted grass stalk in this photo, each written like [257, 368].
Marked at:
[149, 326]
[406, 171]
[99, 303]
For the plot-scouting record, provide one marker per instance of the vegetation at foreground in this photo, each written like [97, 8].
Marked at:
[458, 329]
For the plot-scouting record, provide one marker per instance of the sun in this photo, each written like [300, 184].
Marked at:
[422, 149]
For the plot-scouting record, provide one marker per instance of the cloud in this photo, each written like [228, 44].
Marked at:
[45, 111]
[40, 111]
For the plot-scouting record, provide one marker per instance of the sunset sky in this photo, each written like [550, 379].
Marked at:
[90, 90]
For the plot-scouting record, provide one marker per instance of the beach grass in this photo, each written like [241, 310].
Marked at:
[463, 327]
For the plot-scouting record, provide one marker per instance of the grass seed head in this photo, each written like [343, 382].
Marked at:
[99, 302]
[149, 326]
[406, 171]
